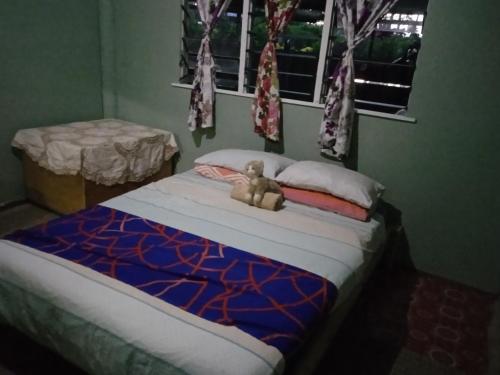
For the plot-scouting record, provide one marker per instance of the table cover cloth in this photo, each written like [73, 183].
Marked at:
[108, 151]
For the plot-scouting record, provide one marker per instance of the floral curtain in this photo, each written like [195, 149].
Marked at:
[266, 108]
[359, 18]
[201, 107]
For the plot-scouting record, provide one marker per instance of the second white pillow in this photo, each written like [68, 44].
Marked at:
[336, 180]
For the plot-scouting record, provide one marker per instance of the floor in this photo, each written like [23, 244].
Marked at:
[404, 323]
[408, 322]
[22, 216]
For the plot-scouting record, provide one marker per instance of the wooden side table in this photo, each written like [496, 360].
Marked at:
[73, 166]
[65, 194]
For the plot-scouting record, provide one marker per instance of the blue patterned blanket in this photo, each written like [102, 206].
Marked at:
[272, 301]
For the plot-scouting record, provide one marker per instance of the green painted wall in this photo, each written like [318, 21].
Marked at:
[441, 172]
[49, 72]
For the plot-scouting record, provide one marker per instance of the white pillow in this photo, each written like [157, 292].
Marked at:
[236, 159]
[336, 180]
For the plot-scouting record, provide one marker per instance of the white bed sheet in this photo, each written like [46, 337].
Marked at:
[167, 338]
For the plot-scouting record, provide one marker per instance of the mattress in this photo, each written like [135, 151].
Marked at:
[106, 326]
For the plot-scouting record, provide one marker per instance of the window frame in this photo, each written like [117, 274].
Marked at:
[242, 78]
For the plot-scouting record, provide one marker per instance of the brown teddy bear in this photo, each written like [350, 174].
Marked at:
[259, 185]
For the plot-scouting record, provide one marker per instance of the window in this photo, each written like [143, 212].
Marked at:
[298, 49]
[309, 50]
[225, 44]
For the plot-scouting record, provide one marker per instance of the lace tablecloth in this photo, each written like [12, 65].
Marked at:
[106, 151]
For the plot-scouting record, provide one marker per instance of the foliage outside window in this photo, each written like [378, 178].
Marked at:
[384, 63]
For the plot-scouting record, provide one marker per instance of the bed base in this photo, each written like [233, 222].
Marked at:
[312, 352]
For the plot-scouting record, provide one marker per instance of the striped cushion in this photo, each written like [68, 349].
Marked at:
[221, 174]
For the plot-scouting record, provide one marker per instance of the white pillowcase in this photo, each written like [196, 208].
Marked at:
[236, 159]
[336, 180]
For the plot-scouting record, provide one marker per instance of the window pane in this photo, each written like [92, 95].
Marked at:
[385, 61]
[297, 49]
[225, 44]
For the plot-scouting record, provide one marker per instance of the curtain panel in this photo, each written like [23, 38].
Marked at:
[359, 19]
[202, 104]
[266, 108]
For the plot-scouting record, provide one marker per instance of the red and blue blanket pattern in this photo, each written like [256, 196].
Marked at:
[269, 300]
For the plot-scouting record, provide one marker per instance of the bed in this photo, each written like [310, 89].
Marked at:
[107, 326]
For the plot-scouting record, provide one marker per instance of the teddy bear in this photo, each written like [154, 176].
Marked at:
[258, 184]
